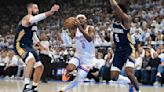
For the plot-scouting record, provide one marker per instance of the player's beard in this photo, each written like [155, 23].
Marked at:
[34, 13]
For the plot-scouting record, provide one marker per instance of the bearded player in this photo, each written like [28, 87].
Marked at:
[23, 44]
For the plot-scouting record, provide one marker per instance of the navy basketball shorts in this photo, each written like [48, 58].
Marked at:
[27, 53]
[122, 58]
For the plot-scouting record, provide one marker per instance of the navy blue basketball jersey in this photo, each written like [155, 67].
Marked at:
[24, 35]
[23, 43]
[121, 35]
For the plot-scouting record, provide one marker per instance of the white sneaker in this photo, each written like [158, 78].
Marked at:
[6, 77]
[138, 91]
[156, 83]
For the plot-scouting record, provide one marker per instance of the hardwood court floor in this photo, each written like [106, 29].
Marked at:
[16, 86]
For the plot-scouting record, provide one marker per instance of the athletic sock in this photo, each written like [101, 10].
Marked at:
[26, 81]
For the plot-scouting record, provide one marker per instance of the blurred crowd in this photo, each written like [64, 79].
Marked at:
[147, 33]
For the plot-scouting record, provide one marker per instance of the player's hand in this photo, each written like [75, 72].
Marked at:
[77, 23]
[55, 8]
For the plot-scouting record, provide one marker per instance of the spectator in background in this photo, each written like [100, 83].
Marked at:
[160, 51]
[138, 65]
[65, 37]
[4, 59]
[3, 54]
[136, 37]
[145, 34]
[101, 65]
[95, 71]
[160, 71]
[106, 68]
[160, 37]
[152, 67]
[20, 70]
[144, 74]
[12, 65]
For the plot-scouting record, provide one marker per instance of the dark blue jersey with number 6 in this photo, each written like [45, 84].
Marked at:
[121, 36]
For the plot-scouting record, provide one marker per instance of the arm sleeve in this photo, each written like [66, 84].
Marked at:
[37, 18]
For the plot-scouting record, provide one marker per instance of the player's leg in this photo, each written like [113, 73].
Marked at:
[129, 69]
[37, 75]
[118, 63]
[115, 76]
[30, 61]
[116, 66]
[80, 76]
[72, 65]
[114, 73]
[38, 66]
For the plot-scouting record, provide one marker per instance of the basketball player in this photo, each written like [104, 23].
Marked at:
[124, 50]
[83, 35]
[23, 44]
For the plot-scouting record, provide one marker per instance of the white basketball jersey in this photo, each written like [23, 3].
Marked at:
[82, 46]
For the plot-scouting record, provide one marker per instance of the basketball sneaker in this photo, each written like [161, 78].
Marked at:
[65, 76]
[34, 89]
[27, 88]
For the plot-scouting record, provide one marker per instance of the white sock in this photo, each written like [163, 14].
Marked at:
[80, 76]
[34, 84]
[123, 79]
[26, 80]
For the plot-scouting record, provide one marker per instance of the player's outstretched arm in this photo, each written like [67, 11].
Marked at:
[42, 16]
[120, 12]
[29, 19]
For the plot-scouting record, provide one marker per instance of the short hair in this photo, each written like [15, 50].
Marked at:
[29, 5]
[123, 7]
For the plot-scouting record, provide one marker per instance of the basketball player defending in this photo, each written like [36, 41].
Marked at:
[23, 44]
[83, 35]
[124, 50]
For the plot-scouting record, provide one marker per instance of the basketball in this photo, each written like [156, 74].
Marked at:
[70, 22]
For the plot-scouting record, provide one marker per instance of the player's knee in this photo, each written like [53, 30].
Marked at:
[31, 62]
[40, 67]
[114, 75]
[129, 72]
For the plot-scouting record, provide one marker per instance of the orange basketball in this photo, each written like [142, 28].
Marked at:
[70, 22]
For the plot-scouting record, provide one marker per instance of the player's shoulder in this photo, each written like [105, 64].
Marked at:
[91, 27]
[25, 20]
[27, 17]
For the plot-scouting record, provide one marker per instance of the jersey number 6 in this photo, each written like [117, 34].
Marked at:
[116, 38]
